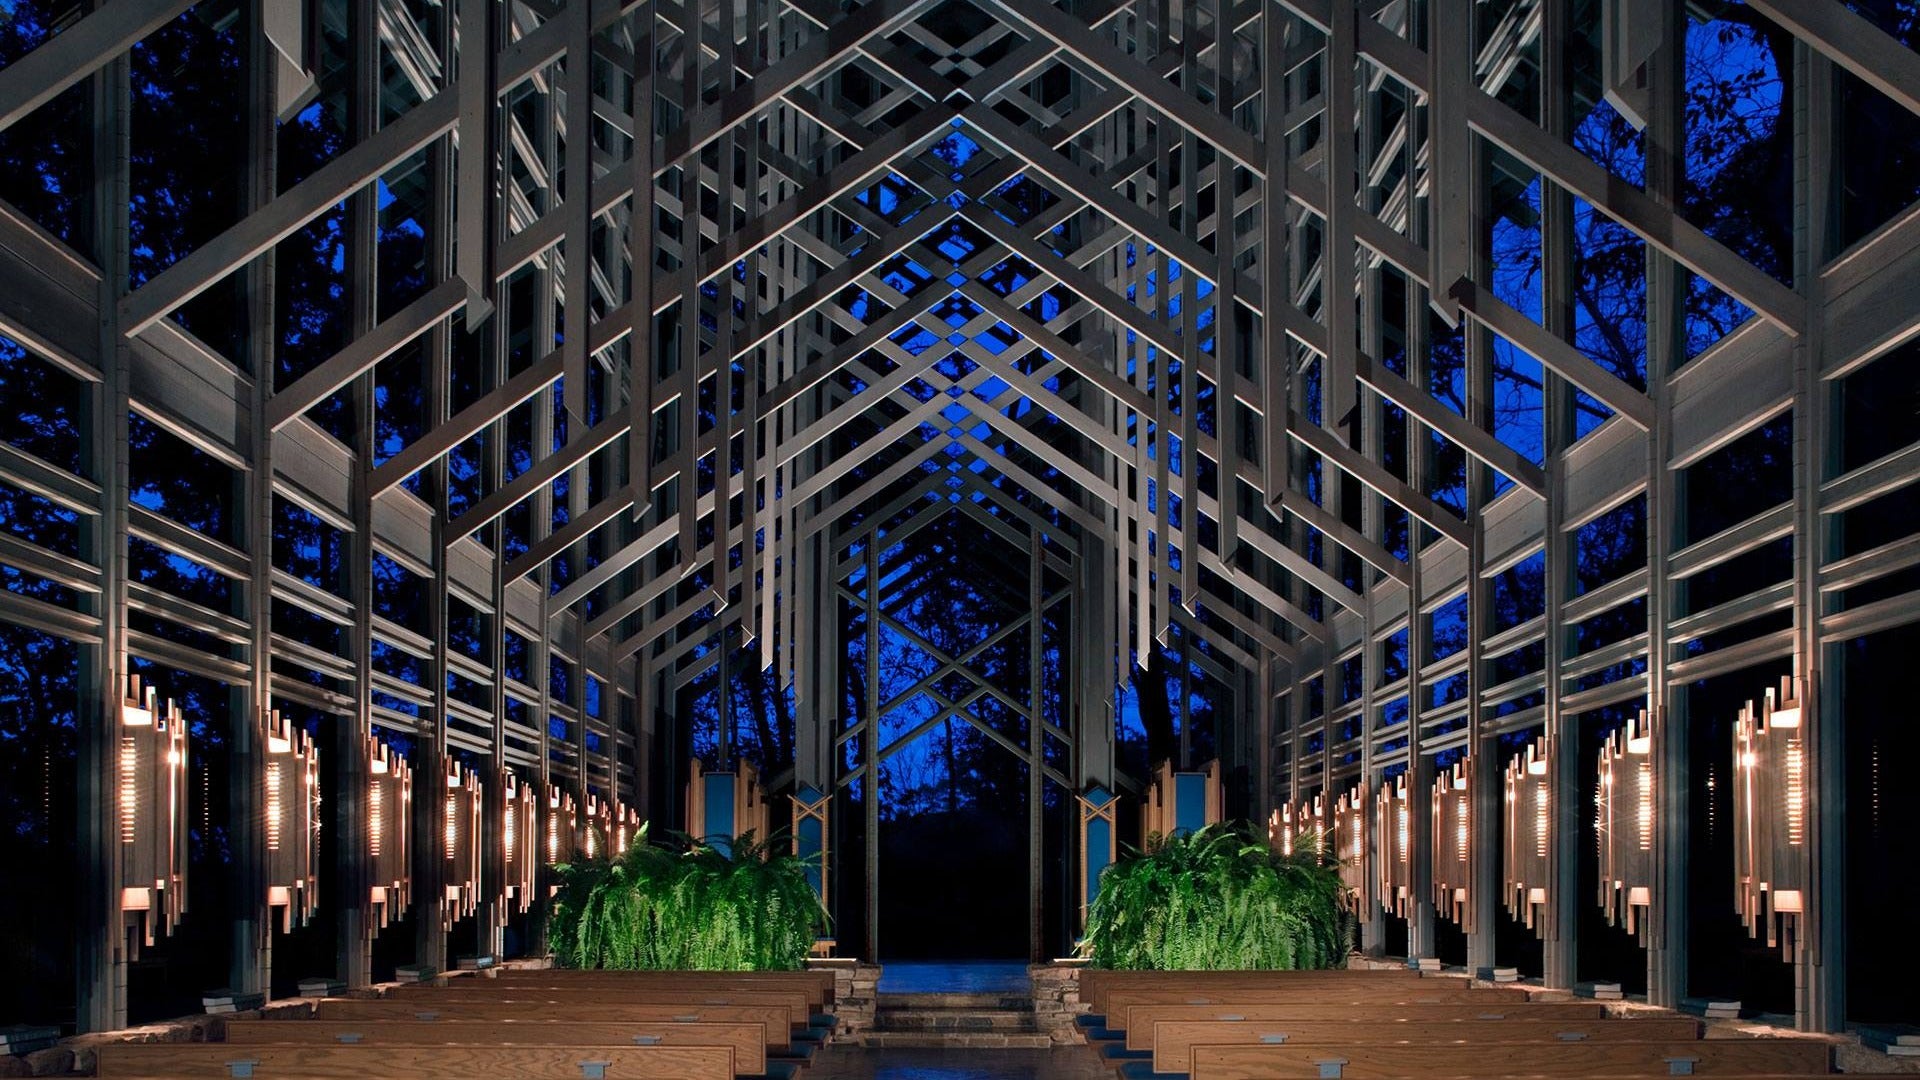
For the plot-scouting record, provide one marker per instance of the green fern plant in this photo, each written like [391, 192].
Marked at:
[684, 906]
[1218, 899]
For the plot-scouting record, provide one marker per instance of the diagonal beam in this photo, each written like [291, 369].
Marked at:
[578, 528]
[1628, 205]
[279, 219]
[1871, 54]
[1322, 442]
[389, 337]
[1566, 361]
[77, 52]
[538, 475]
[1472, 437]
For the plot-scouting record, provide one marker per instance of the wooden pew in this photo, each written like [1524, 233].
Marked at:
[1140, 1019]
[1096, 984]
[175, 1060]
[1371, 1061]
[818, 985]
[1174, 1040]
[431, 998]
[777, 1020]
[748, 1041]
[1119, 1001]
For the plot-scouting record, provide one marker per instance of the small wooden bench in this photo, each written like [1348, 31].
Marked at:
[1375, 1061]
[1140, 1019]
[777, 1020]
[1174, 1040]
[748, 1041]
[174, 1060]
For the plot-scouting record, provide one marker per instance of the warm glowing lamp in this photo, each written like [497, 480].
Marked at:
[1393, 832]
[389, 819]
[1624, 824]
[151, 813]
[1350, 846]
[1453, 844]
[1529, 824]
[1772, 860]
[461, 805]
[292, 822]
[521, 846]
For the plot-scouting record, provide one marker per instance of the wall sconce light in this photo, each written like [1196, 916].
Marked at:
[1453, 844]
[1299, 826]
[1623, 825]
[293, 822]
[389, 822]
[626, 826]
[460, 824]
[563, 819]
[1393, 828]
[1350, 846]
[596, 828]
[1771, 858]
[1529, 825]
[520, 846]
[151, 814]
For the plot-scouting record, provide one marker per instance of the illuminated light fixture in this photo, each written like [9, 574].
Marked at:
[521, 846]
[562, 825]
[293, 822]
[1771, 858]
[151, 809]
[1624, 824]
[1453, 844]
[389, 818]
[461, 805]
[626, 827]
[596, 827]
[1350, 846]
[1529, 824]
[1393, 829]
[1299, 826]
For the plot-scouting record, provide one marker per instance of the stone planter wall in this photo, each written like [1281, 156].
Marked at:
[855, 993]
[1056, 1001]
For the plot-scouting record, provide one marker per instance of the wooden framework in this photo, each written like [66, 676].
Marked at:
[1202, 226]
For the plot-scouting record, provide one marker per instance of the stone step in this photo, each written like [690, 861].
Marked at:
[954, 1020]
[955, 1001]
[956, 1039]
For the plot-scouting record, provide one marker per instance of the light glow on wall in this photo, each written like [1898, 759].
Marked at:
[1453, 844]
[461, 822]
[293, 822]
[389, 812]
[1393, 828]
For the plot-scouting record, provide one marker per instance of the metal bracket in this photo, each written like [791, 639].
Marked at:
[348, 1037]
[594, 1070]
[1678, 1066]
[242, 1068]
[646, 1040]
[1570, 1036]
[1273, 1038]
[1333, 1068]
[426, 1016]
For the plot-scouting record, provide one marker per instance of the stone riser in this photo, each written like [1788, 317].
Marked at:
[945, 1020]
[952, 1039]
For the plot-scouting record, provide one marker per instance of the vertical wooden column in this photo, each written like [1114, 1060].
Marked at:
[101, 976]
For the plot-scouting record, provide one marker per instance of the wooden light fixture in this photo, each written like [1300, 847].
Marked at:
[389, 819]
[1453, 844]
[1624, 820]
[1393, 829]
[1529, 825]
[461, 804]
[520, 846]
[151, 814]
[1349, 839]
[293, 822]
[1299, 826]
[563, 821]
[1771, 858]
